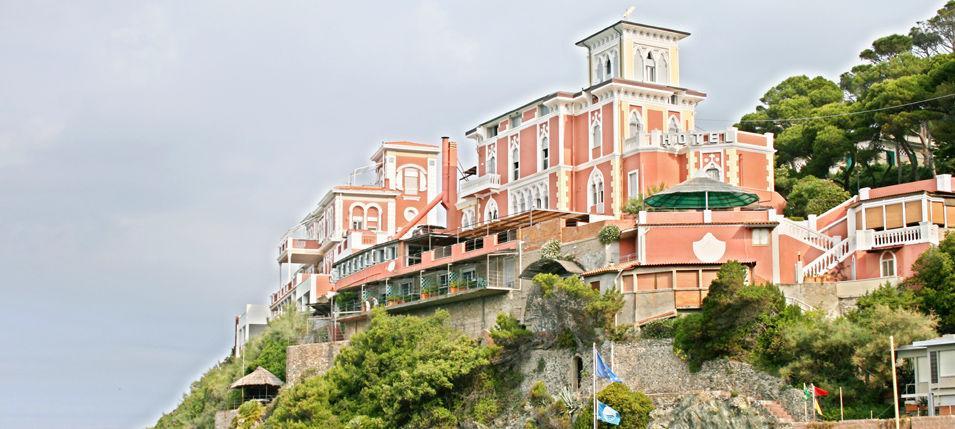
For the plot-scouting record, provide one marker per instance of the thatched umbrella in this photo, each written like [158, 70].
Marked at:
[259, 384]
[702, 193]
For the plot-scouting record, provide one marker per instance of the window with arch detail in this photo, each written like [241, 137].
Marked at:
[887, 264]
[544, 153]
[608, 68]
[595, 191]
[663, 72]
[674, 126]
[650, 67]
[372, 218]
[635, 125]
[515, 163]
[466, 219]
[595, 137]
[491, 162]
[490, 210]
[357, 217]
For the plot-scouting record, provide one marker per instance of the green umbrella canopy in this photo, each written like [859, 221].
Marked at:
[701, 193]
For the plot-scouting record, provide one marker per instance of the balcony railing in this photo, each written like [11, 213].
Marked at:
[487, 182]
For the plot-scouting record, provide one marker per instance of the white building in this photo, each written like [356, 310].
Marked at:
[249, 324]
[934, 362]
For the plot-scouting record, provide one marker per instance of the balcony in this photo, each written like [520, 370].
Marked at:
[300, 251]
[476, 185]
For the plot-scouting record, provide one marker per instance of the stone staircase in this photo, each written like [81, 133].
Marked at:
[777, 411]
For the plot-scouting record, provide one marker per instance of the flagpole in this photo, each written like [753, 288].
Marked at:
[841, 413]
[594, 359]
[805, 403]
[812, 388]
[895, 386]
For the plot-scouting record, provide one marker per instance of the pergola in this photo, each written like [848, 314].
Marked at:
[260, 385]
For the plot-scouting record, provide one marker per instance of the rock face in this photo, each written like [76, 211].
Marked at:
[711, 410]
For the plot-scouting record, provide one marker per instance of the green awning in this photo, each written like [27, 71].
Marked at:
[701, 193]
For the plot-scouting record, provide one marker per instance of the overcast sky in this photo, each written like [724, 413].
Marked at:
[152, 154]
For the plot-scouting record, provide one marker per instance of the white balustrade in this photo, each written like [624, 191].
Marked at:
[813, 238]
[478, 184]
[829, 259]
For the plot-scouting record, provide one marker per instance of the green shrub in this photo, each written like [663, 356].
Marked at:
[538, 396]
[508, 332]
[551, 249]
[609, 234]
[665, 328]
[486, 409]
[634, 408]
[732, 316]
[249, 415]
[581, 309]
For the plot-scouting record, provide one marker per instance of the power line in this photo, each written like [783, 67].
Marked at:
[836, 115]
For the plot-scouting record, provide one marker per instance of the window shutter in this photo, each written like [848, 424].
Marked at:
[873, 218]
[933, 363]
[938, 213]
[893, 216]
[913, 212]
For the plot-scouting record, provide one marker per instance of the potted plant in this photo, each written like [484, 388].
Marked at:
[427, 291]
[454, 287]
[394, 299]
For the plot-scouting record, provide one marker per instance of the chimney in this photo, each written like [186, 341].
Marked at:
[449, 179]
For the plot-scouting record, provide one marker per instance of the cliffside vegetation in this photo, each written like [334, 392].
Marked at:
[211, 392]
[752, 323]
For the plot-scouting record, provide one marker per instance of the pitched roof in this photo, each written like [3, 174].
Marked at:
[259, 377]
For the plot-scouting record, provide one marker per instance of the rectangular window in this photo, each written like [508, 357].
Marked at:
[946, 364]
[890, 158]
[516, 121]
[492, 130]
[543, 110]
[922, 369]
[516, 170]
[545, 157]
[761, 237]
[633, 184]
[411, 181]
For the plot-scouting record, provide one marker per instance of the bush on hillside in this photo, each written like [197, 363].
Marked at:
[508, 332]
[634, 408]
[211, 392]
[812, 195]
[733, 315]
[580, 309]
[403, 371]
[659, 329]
[609, 234]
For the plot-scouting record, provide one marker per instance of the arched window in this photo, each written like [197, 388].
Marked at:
[371, 218]
[544, 153]
[674, 127]
[538, 202]
[466, 219]
[650, 67]
[663, 75]
[357, 217]
[490, 210]
[714, 173]
[595, 191]
[491, 160]
[638, 71]
[600, 70]
[636, 127]
[515, 163]
[887, 264]
[522, 203]
[608, 68]
[595, 137]
[542, 188]
[413, 180]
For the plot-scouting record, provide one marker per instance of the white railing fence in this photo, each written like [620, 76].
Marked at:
[813, 238]
[829, 259]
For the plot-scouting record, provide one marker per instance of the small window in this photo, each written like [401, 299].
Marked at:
[946, 363]
[492, 130]
[545, 153]
[515, 164]
[595, 139]
[635, 126]
[411, 181]
[887, 264]
[761, 237]
[543, 110]
[650, 73]
[608, 68]
[515, 121]
[673, 99]
[714, 173]
[633, 185]
[491, 161]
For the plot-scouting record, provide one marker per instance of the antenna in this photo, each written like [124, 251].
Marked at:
[626, 15]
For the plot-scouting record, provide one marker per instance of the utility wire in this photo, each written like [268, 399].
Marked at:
[836, 115]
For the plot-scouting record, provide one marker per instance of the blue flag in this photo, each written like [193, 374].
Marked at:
[603, 371]
[606, 414]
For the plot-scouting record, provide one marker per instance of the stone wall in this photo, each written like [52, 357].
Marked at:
[224, 418]
[937, 422]
[306, 359]
[652, 367]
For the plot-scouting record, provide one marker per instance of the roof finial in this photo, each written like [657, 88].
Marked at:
[626, 15]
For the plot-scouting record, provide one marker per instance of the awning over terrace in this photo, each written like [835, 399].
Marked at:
[518, 220]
